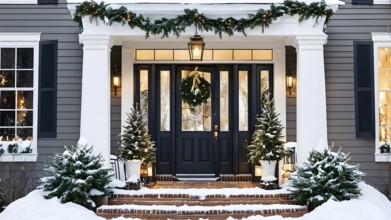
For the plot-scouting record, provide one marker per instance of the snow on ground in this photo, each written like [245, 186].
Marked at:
[372, 205]
[35, 207]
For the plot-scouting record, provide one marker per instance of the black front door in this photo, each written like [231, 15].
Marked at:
[184, 135]
[195, 146]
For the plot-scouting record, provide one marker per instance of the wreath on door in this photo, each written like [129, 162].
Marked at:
[195, 90]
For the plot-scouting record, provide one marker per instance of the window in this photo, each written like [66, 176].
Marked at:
[18, 94]
[382, 85]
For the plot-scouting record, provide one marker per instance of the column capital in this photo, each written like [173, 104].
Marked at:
[310, 42]
[96, 42]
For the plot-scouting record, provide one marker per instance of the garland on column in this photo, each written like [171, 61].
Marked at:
[176, 26]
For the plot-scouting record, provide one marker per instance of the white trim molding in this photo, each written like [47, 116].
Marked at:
[381, 2]
[19, 157]
[30, 40]
[19, 2]
[380, 39]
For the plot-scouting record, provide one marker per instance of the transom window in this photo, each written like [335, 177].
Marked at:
[220, 55]
[16, 93]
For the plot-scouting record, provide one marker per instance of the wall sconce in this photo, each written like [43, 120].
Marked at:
[116, 80]
[258, 171]
[289, 82]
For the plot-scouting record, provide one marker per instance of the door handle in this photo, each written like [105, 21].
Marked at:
[216, 133]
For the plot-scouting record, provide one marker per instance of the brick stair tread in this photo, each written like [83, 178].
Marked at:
[189, 212]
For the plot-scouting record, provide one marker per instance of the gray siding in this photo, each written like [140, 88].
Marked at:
[55, 23]
[352, 22]
[291, 98]
[116, 55]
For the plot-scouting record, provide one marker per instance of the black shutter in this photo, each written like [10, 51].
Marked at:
[46, 2]
[47, 107]
[362, 2]
[364, 89]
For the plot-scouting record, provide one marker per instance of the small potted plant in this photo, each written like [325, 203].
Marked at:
[267, 145]
[385, 148]
[136, 146]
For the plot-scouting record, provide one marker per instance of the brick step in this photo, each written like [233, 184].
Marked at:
[186, 212]
[209, 200]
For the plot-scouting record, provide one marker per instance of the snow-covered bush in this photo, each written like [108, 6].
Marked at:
[326, 175]
[267, 141]
[136, 142]
[76, 176]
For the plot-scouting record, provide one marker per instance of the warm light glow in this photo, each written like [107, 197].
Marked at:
[196, 52]
[116, 81]
[258, 171]
[289, 81]
[150, 170]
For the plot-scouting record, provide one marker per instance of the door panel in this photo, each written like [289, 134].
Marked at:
[195, 146]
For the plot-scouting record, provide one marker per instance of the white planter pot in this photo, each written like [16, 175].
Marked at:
[269, 169]
[133, 170]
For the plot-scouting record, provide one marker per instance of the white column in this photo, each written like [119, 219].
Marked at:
[127, 84]
[95, 100]
[311, 96]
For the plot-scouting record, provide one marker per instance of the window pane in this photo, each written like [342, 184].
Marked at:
[25, 133]
[25, 118]
[7, 118]
[144, 94]
[7, 79]
[165, 100]
[8, 134]
[242, 55]
[384, 87]
[222, 54]
[145, 54]
[262, 54]
[264, 75]
[7, 100]
[243, 100]
[197, 118]
[7, 58]
[25, 58]
[164, 54]
[25, 100]
[224, 101]
[25, 78]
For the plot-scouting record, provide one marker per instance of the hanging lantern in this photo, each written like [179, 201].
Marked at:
[196, 47]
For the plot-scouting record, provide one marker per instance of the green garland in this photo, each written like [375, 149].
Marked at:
[176, 26]
[197, 97]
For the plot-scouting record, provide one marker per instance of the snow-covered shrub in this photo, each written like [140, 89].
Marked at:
[136, 142]
[326, 175]
[76, 176]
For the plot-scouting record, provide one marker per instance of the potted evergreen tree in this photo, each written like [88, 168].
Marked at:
[136, 145]
[267, 145]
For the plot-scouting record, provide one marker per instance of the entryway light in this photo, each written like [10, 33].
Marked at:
[196, 46]
[116, 80]
[289, 82]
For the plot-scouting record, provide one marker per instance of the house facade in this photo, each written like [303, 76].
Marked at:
[59, 81]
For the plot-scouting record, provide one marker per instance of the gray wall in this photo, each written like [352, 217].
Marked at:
[352, 22]
[116, 55]
[54, 22]
[290, 53]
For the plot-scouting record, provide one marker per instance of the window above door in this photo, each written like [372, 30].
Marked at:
[209, 55]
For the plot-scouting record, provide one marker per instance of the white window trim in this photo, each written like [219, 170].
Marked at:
[19, 2]
[25, 40]
[380, 39]
[381, 2]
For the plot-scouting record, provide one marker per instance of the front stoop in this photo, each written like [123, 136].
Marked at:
[165, 213]
[185, 206]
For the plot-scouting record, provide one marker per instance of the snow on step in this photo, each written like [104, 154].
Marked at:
[201, 193]
[185, 210]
